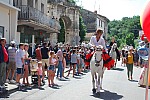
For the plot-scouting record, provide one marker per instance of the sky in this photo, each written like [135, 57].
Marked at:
[115, 9]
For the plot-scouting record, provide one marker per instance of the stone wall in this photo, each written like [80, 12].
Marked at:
[70, 15]
[92, 20]
[89, 19]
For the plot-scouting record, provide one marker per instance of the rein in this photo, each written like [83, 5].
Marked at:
[97, 63]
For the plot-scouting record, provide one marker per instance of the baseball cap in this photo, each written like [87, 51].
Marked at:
[12, 42]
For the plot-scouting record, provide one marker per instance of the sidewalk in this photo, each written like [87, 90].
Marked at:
[13, 87]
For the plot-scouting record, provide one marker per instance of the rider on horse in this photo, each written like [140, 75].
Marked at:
[97, 40]
[117, 51]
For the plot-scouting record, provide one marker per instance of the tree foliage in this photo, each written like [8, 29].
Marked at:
[125, 30]
[82, 29]
[61, 35]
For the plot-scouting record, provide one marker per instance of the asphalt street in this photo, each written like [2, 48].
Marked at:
[116, 86]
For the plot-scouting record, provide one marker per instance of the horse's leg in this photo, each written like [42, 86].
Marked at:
[99, 84]
[93, 81]
[102, 78]
[101, 81]
[116, 62]
[96, 80]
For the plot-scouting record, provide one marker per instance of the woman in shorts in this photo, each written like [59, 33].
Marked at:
[51, 68]
[26, 65]
[73, 62]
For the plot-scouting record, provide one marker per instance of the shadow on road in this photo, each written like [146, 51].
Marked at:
[133, 80]
[107, 95]
[77, 77]
[118, 69]
[4, 95]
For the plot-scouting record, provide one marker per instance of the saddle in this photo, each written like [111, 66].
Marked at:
[108, 61]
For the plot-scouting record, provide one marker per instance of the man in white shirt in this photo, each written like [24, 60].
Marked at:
[97, 39]
[19, 62]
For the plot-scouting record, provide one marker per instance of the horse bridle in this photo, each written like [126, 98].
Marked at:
[97, 63]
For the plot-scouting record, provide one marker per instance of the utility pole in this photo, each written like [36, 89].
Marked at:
[95, 5]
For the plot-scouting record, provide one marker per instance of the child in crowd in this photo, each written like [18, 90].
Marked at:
[78, 63]
[39, 73]
[51, 68]
[64, 63]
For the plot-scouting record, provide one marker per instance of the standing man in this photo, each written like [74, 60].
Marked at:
[3, 60]
[38, 53]
[12, 64]
[45, 59]
[20, 55]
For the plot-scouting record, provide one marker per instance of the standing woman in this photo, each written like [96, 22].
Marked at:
[73, 62]
[123, 56]
[129, 64]
[51, 68]
[26, 64]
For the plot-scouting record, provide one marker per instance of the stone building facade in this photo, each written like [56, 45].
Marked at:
[34, 25]
[69, 13]
[8, 20]
[93, 21]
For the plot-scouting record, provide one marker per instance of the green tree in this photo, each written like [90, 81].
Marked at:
[61, 35]
[82, 29]
[130, 39]
[125, 30]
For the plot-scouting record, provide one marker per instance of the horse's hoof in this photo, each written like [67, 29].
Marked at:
[94, 91]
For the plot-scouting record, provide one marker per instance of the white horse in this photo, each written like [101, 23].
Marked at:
[96, 65]
[113, 53]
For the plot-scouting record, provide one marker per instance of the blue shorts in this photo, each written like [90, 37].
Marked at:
[51, 67]
[40, 76]
[20, 70]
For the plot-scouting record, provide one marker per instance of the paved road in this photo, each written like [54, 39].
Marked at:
[115, 85]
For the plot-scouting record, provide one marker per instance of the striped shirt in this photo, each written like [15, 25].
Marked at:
[12, 53]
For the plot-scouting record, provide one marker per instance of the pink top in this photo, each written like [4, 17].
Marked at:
[39, 70]
[60, 55]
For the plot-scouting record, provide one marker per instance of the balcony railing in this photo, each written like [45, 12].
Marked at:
[32, 14]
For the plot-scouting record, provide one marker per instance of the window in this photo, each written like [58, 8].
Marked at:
[99, 22]
[30, 3]
[1, 31]
[42, 7]
[36, 4]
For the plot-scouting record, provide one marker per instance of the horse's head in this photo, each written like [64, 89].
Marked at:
[98, 52]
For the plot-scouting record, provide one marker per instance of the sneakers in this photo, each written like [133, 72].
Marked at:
[7, 80]
[62, 79]
[12, 81]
